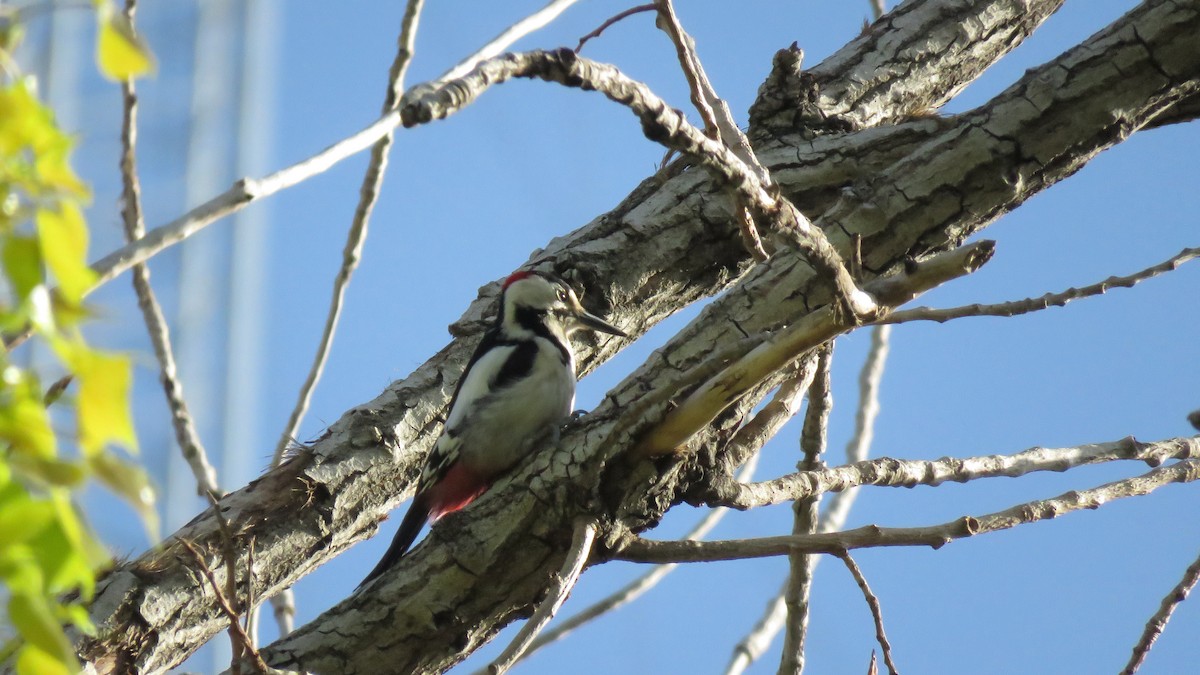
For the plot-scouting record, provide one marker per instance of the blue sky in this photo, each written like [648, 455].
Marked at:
[466, 200]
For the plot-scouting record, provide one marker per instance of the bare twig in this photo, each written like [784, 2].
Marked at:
[242, 648]
[909, 473]
[718, 120]
[669, 23]
[577, 555]
[878, 9]
[876, 611]
[1017, 307]
[508, 36]
[935, 536]
[661, 123]
[612, 20]
[237, 634]
[1156, 624]
[638, 587]
[156, 324]
[798, 588]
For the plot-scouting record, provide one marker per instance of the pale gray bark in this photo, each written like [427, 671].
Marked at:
[915, 188]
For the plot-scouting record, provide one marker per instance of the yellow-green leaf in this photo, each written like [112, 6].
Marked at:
[56, 472]
[64, 239]
[103, 403]
[63, 560]
[121, 52]
[132, 483]
[26, 427]
[22, 265]
[32, 618]
[33, 661]
[21, 518]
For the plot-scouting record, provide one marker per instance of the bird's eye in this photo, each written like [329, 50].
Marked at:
[562, 294]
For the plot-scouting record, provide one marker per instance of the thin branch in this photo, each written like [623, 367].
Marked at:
[889, 472]
[1017, 307]
[156, 324]
[507, 37]
[878, 9]
[706, 402]
[649, 7]
[356, 237]
[836, 511]
[284, 603]
[873, 604]
[935, 536]
[577, 555]
[798, 587]
[661, 123]
[688, 61]
[638, 587]
[1156, 624]
[237, 634]
[718, 120]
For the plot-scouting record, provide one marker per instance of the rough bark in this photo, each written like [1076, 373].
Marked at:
[914, 188]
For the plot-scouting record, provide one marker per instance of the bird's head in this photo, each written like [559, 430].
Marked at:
[533, 299]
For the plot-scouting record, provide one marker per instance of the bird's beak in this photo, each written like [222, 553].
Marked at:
[596, 323]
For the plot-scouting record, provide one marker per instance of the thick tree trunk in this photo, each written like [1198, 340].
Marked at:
[916, 187]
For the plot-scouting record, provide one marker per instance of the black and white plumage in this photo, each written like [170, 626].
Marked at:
[516, 389]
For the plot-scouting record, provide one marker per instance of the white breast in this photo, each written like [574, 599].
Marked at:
[495, 429]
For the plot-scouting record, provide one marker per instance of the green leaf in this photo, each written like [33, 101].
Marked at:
[121, 52]
[33, 661]
[26, 427]
[32, 617]
[103, 402]
[63, 237]
[63, 560]
[52, 472]
[22, 517]
[132, 483]
[22, 265]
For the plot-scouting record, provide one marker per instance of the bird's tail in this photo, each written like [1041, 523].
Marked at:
[414, 520]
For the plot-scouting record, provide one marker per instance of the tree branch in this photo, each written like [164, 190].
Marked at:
[876, 611]
[324, 499]
[935, 536]
[1158, 622]
[833, 518]
[577, 555]
[1017, 307]
[798, 588]
[910, 473]
[156, 324]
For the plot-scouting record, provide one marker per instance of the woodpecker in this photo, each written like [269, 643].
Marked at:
[516, 389]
